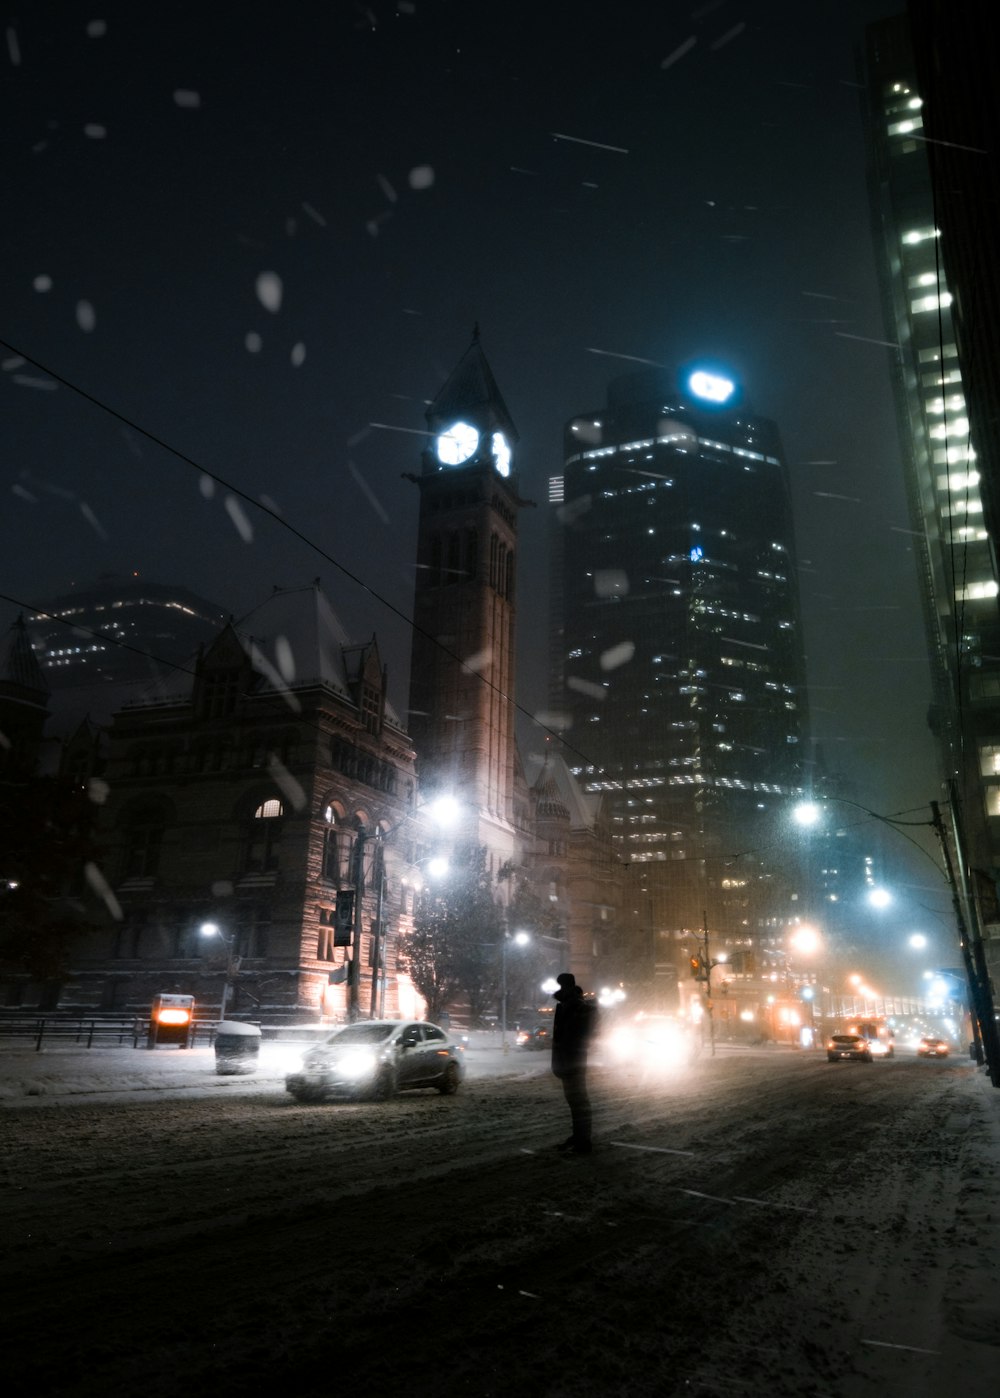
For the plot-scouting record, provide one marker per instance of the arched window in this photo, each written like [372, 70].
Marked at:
[264, 837]
[144, 825]
[332, 846]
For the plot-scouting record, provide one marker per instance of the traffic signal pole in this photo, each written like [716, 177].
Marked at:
[354, 965]
[706, 976]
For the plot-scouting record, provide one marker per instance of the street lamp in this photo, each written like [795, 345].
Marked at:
[805, 939]
[212, 929]
[444, 812]
[520, 939]
[958, 875]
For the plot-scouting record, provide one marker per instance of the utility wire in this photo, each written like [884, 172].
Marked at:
[304, 538]
[298, 534]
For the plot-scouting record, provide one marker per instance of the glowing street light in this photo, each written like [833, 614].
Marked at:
[879, 897]
[212, 929]
[917, 941]
[806, 940]
[520, 939]
[444, 811]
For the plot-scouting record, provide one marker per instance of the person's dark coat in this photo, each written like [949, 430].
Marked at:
[572, 1029]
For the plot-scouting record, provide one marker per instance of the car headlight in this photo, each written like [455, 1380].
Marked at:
[358, 1063]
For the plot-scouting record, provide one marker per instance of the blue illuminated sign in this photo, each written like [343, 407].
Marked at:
[714, 388]
[697, 554]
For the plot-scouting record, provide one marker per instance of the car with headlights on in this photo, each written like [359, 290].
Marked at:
[930, 1047]
[840, 1046]
[652, 1043]
[540, 1037]
[376, 1059]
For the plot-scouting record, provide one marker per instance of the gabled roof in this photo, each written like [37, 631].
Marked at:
[299, 638]
[555, 783]
[293, 640]
[471, 391]
[550, 804]
[363, 663]
[20, 666]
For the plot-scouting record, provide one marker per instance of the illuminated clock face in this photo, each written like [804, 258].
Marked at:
[457, 444]
[501, 453]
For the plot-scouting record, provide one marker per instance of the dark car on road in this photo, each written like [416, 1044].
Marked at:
[538, 1037]
[840, 1046]
[378, 1058]
[930, 1047]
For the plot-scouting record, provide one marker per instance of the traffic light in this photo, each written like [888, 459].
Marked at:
[343, 925]
[697, 968]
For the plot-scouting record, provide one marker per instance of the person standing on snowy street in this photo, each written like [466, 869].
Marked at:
[572, 1030]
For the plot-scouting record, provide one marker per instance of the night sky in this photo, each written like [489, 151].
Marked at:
[264, 232]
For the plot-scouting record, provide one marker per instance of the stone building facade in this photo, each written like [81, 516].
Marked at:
[270, 792]
[247, 800]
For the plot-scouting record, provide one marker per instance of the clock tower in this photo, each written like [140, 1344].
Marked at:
[461, 716]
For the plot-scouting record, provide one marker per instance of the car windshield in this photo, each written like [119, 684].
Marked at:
[362, 1034]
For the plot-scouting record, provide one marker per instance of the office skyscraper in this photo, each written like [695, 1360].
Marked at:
[931, 226]
[677, 662]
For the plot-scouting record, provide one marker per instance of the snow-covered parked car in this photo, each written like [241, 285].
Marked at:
[378, 1058]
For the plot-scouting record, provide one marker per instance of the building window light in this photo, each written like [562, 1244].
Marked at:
[931, 303]
[963, 480]
[989, 760]
[977, 591]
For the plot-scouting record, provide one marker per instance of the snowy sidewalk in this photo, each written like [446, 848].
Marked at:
[70, 1072]
[58, 1073]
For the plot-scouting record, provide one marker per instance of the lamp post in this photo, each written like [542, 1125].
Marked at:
[444, 811]
[520, 939]
[986, 1037]
[212, 929]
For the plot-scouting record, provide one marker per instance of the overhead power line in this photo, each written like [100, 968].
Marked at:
[284, 523]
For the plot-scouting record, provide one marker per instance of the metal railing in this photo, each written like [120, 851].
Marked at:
[90, 1031]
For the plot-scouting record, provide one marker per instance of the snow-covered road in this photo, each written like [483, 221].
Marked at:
[766, 1223]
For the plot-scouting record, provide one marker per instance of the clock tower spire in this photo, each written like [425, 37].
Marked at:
[462, 673]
